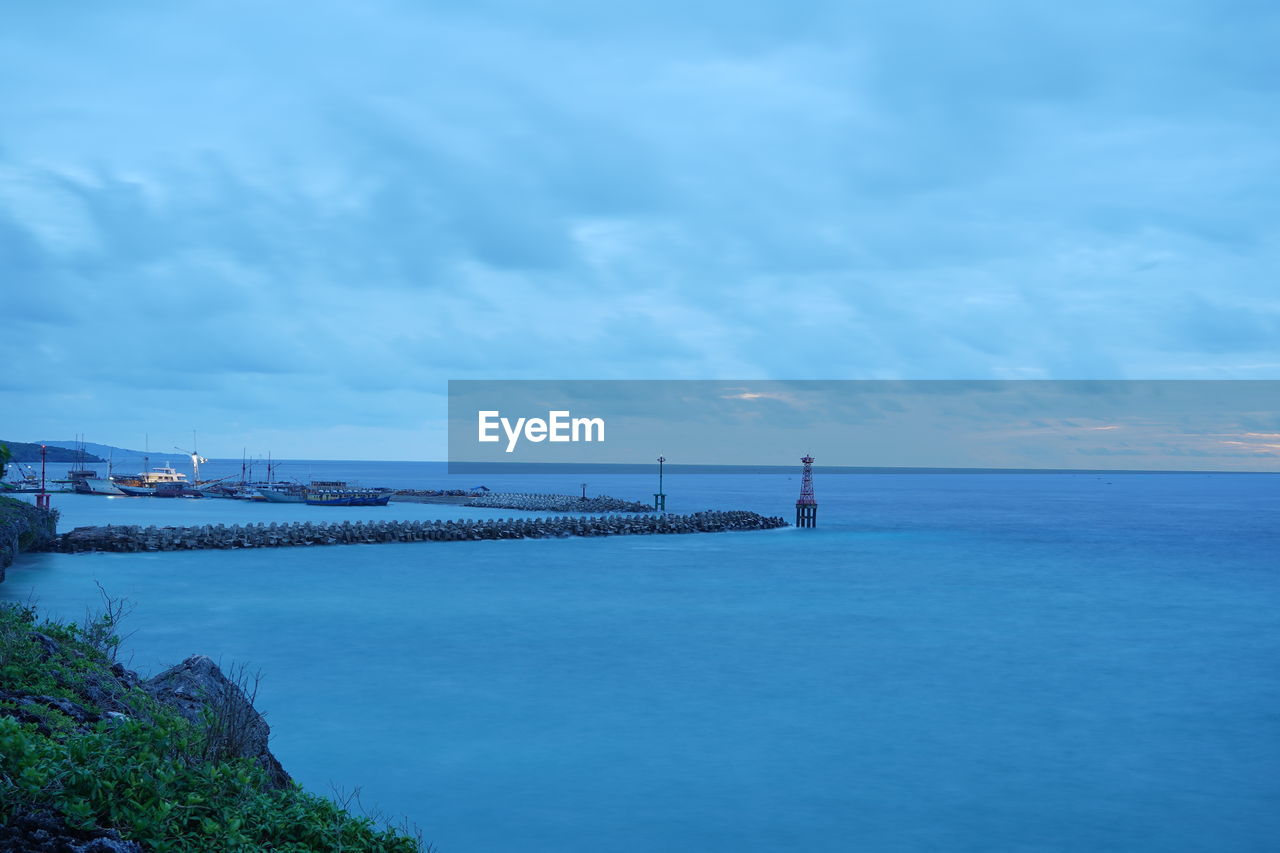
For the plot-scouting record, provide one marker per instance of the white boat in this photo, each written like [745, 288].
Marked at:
[95, 486]
[145, 483]
[283, 493]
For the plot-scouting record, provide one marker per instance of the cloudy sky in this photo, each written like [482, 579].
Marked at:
[288, 225]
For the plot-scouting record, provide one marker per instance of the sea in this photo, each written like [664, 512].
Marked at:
[948, 662]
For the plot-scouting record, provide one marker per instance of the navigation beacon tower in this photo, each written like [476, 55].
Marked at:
[660, 497]
[807, 506]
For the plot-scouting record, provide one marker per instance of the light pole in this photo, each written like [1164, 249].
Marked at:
[660, 497]
[42, 499]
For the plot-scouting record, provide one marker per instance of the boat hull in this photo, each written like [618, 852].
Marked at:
[347, 499]
[278, 497]
[96, 486]
[176, 490]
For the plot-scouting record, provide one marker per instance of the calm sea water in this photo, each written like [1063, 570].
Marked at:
[949, 662]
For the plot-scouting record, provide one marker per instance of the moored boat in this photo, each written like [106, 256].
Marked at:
[24, 481]
[346, 497]
[176, 490]
[95, 486]
[283, 493]
[144, 484]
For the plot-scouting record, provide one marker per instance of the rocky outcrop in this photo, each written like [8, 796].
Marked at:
[24, 527]
[199, 690]
[95, 760]
[46, 833]
[356, 533]
[101, 691]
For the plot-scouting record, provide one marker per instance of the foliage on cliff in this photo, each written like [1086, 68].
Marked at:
[87, 751]
[24, 527]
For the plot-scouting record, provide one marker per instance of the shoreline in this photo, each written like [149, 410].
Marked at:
[97, 758]
[24, 527]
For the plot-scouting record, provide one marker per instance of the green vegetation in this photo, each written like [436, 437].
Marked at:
[83, 745]
[37, 524]
[22, 451]
[24, 527]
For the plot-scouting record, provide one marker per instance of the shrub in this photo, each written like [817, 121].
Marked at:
[149, 774]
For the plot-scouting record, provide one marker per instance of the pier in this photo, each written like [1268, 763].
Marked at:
[556, 503]
[226, 537]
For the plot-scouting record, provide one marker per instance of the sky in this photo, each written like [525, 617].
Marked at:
[286, 226]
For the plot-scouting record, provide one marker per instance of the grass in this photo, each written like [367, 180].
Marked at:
[81, 742]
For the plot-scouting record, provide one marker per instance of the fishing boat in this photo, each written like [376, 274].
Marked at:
[176, 490]
[135, 491]
[85, 481]
[283, 493]
[218, 489]
[347, 497]
[92, 484]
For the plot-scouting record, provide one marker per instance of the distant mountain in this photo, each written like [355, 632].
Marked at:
[27, 452]
[106, 450]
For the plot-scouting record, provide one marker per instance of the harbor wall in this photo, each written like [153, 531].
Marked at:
[556, 503]
[407, 496]
[525, 501]
[274, 535]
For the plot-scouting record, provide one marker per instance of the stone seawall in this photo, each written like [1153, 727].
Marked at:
[133, 538]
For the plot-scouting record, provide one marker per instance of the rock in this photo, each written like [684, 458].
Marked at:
[24, 527]
[48, 645]
[237, 728]
[78, 713]
[41, 832]
[107, 845]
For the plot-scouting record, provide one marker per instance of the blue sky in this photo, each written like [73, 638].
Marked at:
[287, 225]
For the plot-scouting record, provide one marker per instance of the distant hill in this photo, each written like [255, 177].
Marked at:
[104, 450]
[26, 452]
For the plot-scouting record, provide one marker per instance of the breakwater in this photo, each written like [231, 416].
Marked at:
[412, 496]
[556, 503]
[219, 536]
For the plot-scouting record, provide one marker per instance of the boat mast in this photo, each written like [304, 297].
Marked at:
[195, 459]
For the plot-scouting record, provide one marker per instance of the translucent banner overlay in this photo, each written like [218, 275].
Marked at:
[721, 426]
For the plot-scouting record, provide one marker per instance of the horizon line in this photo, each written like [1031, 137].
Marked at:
[516, 468]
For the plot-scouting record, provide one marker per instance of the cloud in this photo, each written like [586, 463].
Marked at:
[335, 205]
